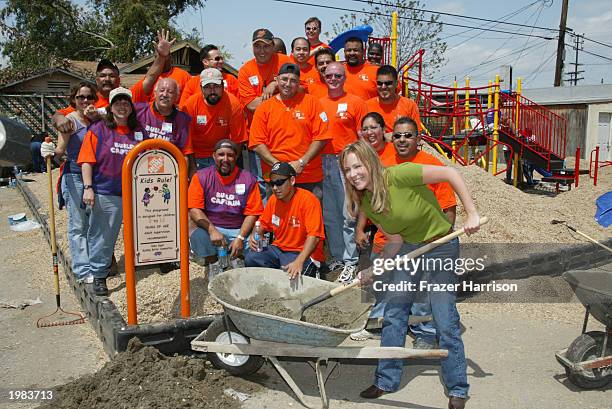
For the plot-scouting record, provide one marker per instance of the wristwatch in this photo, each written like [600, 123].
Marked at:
[241, 237]
[85, 187]
[301, 161]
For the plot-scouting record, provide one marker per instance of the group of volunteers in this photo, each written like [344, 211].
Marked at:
[297, 154]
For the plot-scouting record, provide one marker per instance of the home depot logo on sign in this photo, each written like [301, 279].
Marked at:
[155, 164]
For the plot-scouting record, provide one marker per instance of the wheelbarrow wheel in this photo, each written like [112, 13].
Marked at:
[584, 348]
[238, 365]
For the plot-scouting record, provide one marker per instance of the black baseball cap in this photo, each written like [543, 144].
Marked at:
[106, 63]
[263, 34]
[282, 169]
[289, 68]
[226, 143]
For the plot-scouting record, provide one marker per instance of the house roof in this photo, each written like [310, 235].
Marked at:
[581, 94]
[72, 73]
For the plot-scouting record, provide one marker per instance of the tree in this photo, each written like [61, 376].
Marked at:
[416, 30]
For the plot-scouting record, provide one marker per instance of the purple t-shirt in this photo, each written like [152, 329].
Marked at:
[173, 128]
[74, 147]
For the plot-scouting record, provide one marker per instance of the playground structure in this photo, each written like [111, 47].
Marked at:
[476, 125]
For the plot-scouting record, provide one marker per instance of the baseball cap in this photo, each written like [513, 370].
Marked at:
[262, 34]
[106, 63]
[117, 92]
[211, 76]
[226, 143]
[282, 169]
[289, 68]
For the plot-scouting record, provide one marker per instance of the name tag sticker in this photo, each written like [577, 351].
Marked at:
[275, 220]
[240, 188]
[342, 107]
[167, 127]
[254, 80]
[201, 119]
[323, 116]
[138, 136]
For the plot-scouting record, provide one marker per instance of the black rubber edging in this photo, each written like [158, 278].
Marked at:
[168, 337]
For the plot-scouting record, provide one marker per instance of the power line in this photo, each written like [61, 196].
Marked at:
[594, 41]
[462, 16]
[408, 18]
[591, 53]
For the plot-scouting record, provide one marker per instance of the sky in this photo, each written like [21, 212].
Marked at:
[477, 53]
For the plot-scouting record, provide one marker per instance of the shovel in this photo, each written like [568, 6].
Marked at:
[413, 254]
[581, 233]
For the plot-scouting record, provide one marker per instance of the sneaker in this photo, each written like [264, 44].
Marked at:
[99, 286]
[87, 279]
[336, 265]
[348, 274]
[421, 343]
[363, 335]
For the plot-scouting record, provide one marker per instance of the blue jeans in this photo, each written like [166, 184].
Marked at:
[78, 223]
[339, 227]
[104, 225]
[201, 246]
[273, 257]
[202, 163]
[38, 163]
[446, 317]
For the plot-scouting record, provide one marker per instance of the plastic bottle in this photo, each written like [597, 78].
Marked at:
[17, 172]
[223, 257]
[258, 236]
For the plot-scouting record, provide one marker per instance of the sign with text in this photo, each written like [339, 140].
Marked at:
[156, 208]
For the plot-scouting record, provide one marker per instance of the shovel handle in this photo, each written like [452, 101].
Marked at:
[413, 254]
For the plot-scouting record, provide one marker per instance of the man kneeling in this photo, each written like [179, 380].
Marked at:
[294, 216]
[224, 203]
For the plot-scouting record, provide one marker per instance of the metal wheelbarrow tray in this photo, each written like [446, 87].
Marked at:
[241, 339]
[588, 360]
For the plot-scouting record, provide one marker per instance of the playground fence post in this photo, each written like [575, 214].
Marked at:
[496, 124]
[394, 39]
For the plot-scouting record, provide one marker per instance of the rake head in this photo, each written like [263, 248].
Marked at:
[59, 318]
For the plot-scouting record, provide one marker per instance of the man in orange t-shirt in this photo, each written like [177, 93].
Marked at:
[323, 58]
[294, 216]
[299, 55]
[360, 74]
[211, 57]
[179, 75]
[312, 29]
[291, 127]
[388, 102]
[345, 113]
[215, 115]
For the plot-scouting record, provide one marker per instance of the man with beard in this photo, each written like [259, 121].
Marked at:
[360, 74]
[162, 119]
[291, 127]
[323, 58]
[211, 57]
[388, 102]
[215, 115]
[107, 79]
[224, 203]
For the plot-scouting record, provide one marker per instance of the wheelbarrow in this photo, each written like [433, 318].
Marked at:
[241, 340]
[588, 359]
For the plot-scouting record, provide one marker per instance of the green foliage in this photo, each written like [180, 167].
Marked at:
[416, 30]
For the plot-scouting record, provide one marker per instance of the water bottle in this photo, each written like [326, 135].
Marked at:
[16, 172]
[223, 257]
[258, 236]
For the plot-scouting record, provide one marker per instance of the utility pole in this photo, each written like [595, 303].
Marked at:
[573, 76]
[561, 44]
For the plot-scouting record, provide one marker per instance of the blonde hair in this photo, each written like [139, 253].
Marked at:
[380, 191]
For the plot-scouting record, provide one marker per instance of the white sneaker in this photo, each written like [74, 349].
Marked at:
[348, 274]
[88, 279]
[336, 265]
[363, 335]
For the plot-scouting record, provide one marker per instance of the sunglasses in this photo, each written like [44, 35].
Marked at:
[406, 135]
[330, 76]
[217, 58]
[85, 97]
[386, 83]
[278, 182]
[312, 28]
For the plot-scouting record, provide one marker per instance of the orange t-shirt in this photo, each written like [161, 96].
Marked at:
[443, 191]
[390, 112]
[195, 195]
[288, 128]
[361, 81]
[253, 78]
[211, 123]
[178, 74]
[317, 89]
[311, 60]
[345, 114]
[308, 74]
[100, 103]
[230, 84]
[292, 222]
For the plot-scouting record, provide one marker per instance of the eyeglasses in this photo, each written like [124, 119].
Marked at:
[217, 58]
[312, 28]
[84, 97]
[330, 76]
[386, 83]
[406, 135]
[278, 182]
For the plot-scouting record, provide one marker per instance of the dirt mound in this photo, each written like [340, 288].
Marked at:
[143, 378]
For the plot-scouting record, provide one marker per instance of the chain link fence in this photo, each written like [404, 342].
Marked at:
[35, 110]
